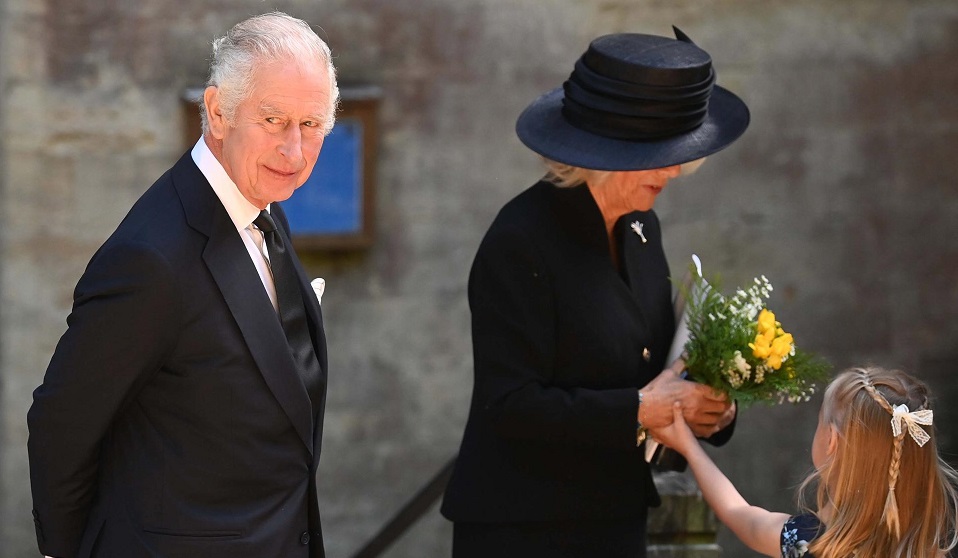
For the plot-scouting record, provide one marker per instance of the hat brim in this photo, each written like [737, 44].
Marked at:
[543, 129]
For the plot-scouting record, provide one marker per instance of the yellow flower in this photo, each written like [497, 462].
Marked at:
[766, 321]
[762, 347]
[767, 336]
[774, 361]
[782, 346]
[772, 343]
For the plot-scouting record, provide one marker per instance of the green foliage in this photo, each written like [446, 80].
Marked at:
[736, 346]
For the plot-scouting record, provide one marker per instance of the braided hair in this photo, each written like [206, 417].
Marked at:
[879, 492]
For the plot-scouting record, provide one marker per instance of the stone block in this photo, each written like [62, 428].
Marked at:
[684, 551]
[684, 521]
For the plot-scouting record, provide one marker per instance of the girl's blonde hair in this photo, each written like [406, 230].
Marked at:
[886, 494]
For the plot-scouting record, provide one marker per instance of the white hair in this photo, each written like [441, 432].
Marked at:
[268, 37]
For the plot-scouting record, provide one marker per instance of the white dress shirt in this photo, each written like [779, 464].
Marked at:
[241, 212]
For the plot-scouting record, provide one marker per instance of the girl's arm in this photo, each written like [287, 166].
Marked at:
[757, 527]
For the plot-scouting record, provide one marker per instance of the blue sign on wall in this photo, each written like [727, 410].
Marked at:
[331, 200]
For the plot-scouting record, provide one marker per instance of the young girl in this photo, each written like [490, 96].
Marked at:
[882, 489]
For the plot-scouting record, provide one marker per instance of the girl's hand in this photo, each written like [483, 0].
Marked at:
[676, 435]
[706, 411]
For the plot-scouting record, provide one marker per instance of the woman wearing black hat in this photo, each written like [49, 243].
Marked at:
[572, 316]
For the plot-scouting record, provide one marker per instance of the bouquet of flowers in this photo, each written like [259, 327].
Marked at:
[736, 345]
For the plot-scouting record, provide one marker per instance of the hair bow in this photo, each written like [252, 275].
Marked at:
[911, 419]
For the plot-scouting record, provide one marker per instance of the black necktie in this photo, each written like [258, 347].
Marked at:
[292, 311]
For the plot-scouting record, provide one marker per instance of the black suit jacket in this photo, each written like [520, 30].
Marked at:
[172, 421]
[562, 340]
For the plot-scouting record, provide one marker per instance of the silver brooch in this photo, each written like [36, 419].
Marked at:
[637, 228]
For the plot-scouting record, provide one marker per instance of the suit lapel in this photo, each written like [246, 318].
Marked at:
[313, 311]
[640, 255]
[642, 267]
[314, 316]
[233, 271]
[641, 281]
[582, 220]
[646, 271]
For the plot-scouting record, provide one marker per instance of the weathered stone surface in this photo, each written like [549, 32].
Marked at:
[842, 192]
[684, 551]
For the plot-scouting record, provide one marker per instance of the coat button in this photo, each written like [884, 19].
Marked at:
[646, 354]
[304, 538]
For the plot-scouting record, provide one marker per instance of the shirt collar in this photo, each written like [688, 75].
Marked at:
[240, 210]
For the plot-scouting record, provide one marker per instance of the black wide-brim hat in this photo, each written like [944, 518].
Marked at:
[635, 102]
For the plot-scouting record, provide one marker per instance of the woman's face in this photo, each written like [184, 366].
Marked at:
[637, 190]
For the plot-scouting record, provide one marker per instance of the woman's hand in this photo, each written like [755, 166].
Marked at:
[705, 410]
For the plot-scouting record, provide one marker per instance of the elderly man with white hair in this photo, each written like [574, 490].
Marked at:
[182, 411]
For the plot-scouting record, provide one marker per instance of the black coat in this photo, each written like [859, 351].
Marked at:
[171, 421]
[559, 340]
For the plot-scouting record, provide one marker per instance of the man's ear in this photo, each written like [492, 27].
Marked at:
[214, 113]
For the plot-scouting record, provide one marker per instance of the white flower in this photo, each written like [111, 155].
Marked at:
[760, 373]
[743, 366]
[733, 378]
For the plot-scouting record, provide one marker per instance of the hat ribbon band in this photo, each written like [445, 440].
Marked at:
[634, 107]
[617, 126]
[595, 81]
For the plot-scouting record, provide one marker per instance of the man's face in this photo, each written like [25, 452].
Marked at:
[277, 134]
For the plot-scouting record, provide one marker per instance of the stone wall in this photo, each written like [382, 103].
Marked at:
[842, 192]
[683, 526]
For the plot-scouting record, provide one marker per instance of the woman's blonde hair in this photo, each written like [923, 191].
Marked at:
[567, 176]
[886, 494]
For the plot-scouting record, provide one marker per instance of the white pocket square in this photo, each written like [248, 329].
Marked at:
[319, 287]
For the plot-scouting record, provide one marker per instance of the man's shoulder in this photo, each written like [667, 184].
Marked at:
[159, 213]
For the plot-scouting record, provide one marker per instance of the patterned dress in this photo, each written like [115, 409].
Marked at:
[798, 532]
